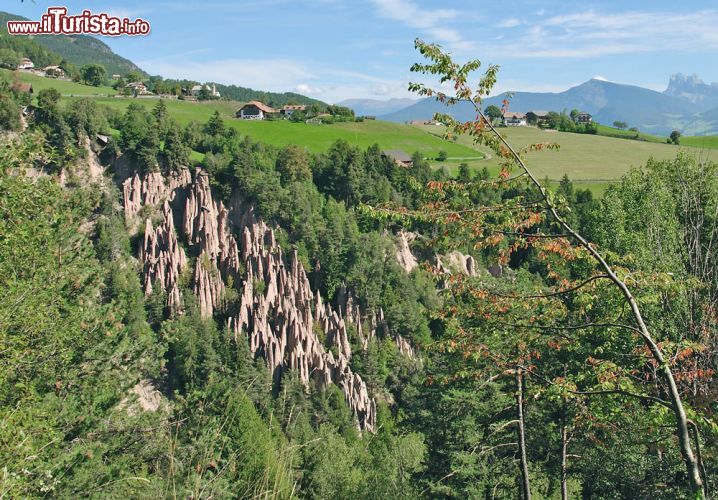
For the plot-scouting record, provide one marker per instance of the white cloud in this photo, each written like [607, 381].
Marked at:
[431, 21]
[601, 78]
[324, 82]
[389, 89]
[583, 34]
[412, 15]
[263, 74]
[592, 33]
[306, 89]
[510, 23]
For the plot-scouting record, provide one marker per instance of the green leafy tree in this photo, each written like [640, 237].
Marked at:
[620, 125]
[675, 137]
[93, 74]
[86, 118]
[48, 99]
[293, 164]
[215, 125]
[68, 320]
[493, 112]
[161, 115]
[175, 151]
[9, 59]
[9, 107]
[464, 173]
[133, 76]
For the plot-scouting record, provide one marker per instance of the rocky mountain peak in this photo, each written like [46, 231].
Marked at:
[693, 89]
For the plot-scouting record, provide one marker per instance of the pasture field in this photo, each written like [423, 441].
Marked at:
[628, 134]
[698, 141]
[65, 87]
[585, 158]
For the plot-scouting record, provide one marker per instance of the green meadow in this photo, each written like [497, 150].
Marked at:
[588, 159]
[65, 87]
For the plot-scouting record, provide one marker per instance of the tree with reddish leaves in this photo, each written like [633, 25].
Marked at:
[589, 303]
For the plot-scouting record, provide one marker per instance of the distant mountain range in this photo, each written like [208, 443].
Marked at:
[375, 107]
[688, 105]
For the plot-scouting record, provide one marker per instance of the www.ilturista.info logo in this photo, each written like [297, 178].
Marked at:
[57, 22]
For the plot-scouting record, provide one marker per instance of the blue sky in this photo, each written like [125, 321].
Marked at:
[337, 49]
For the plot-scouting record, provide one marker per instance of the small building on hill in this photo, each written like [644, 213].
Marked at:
[255, 110]
[138, 87]
[54, 71]
[514, 119]
[25, 63]
[584, 118]
[196, 90]
[537, 117]
[290, 109]
[401, 158]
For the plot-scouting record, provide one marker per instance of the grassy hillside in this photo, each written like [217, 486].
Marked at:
[585, 158]
[607, 131]
[66, 88]
[319, 137]
[706, 141]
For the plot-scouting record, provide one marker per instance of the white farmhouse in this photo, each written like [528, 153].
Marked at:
[255, 110]
[25, 63]
[513, 119]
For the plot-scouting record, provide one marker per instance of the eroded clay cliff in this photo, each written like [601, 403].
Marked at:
[286, 323]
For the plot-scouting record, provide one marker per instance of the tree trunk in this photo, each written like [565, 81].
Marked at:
[564, 445]
[525, 482]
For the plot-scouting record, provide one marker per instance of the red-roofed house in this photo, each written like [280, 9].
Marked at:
[255, 110]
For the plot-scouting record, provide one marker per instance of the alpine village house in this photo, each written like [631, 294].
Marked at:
[255, 110]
